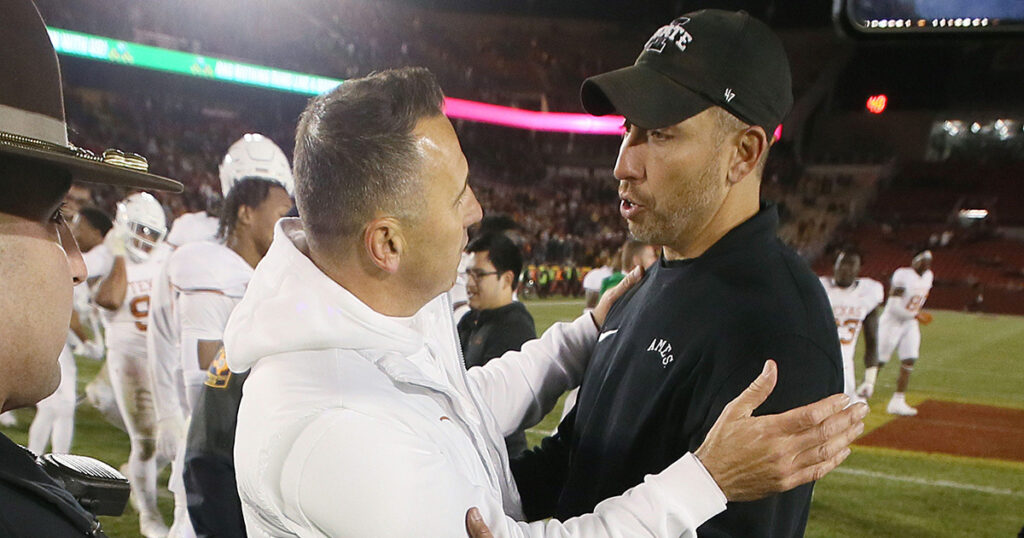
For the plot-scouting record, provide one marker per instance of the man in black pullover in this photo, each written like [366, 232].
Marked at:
[496, 323]
[701, 104]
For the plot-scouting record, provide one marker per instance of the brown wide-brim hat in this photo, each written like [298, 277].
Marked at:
[32, 121]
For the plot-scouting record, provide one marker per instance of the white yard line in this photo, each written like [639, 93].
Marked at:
[543, 433]
[926, 482]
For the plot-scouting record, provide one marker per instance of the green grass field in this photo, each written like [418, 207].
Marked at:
[876, 493]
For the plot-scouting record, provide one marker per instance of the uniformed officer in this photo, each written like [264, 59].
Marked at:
[39, 259]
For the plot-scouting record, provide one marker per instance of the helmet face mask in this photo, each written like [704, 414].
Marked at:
[142, 239]
[142, 218]
[255, 155]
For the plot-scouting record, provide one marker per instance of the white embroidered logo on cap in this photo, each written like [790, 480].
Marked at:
[673, 32]
[729, 95]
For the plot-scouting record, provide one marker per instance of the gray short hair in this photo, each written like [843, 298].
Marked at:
[355, 154]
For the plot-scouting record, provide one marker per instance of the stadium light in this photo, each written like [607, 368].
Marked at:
[876, 103]
[974, 214]
[207, 67]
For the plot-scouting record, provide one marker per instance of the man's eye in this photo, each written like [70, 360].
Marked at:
[657, 135]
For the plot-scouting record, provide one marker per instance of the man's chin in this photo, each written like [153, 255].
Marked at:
[642, 233]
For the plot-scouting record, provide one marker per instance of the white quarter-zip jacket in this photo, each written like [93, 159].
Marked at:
[356, 424]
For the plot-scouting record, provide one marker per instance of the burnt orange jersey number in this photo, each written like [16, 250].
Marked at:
[847, 330]
[140, 309]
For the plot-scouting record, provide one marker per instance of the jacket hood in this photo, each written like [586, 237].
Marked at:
[292, 306]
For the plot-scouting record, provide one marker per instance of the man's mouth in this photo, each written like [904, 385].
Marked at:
[628, 208]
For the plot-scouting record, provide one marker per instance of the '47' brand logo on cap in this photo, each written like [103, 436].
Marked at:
[663, 348]
[674, 33]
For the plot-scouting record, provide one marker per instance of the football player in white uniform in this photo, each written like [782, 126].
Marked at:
[855, 303]
[209, 290]
[207, 278]
[136, 243]
[899, 329]
[209, 293]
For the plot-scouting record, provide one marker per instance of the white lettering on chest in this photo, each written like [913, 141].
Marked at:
[664, 349]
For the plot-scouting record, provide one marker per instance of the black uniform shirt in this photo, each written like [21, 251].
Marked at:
[33, 505]
[673, 352]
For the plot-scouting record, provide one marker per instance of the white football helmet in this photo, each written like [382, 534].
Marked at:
[255, 155]
[144, 222]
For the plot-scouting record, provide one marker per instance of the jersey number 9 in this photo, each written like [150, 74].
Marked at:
[140, 309]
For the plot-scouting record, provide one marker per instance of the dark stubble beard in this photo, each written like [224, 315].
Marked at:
[678, 228]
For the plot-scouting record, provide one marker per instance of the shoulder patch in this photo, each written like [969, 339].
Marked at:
[218, 375]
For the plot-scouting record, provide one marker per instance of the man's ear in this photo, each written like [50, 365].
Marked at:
[244, 215]
[751, 145]
[506, 278]
[384, 243]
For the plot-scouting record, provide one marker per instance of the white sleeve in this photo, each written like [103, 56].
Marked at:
[521, 387]
[391, 482]
[161, 348]
[203, 316]
[98, 261]
[898, 280]
[877, 295]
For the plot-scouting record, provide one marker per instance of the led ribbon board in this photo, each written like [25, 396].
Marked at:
[195, 65]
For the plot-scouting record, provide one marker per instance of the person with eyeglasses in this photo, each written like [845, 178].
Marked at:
[40, 260]
[496, 323]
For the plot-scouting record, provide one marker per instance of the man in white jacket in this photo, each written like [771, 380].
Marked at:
[358, 417]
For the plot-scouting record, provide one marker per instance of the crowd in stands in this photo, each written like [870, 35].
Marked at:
[558, 187]
[562, 219]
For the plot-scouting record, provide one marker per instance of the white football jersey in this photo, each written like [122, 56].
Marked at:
[126, 326]
[193, 227]
[850, 306]
[916, 288]
[209, 266]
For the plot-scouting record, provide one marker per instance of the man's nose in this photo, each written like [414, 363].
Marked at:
[473, 210]
[629, 164]
[75, 261]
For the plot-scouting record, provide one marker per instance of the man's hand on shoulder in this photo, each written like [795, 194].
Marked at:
[600, 312]
[752, 457]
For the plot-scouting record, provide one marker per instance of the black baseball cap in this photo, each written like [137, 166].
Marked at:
[702, 59]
